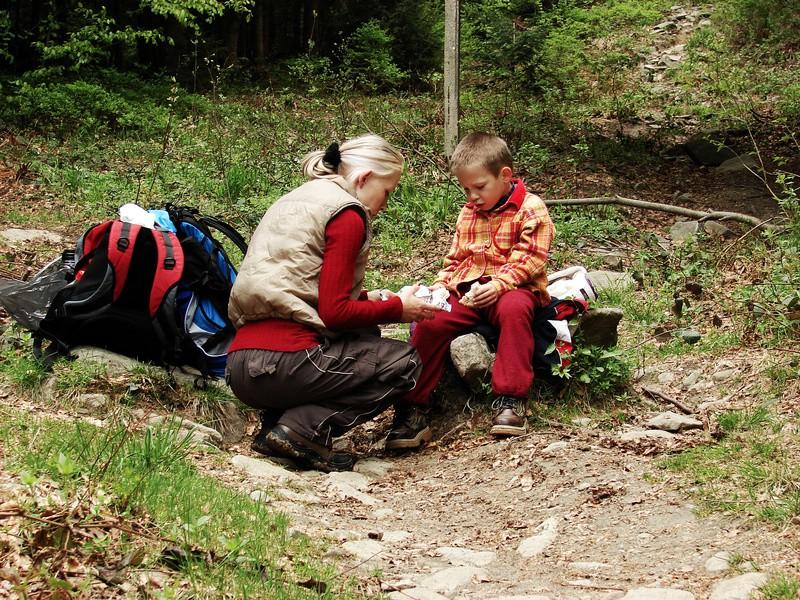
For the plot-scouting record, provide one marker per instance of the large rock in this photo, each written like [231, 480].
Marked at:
[598, 327]
[737, 164]
[472, 358]
[738, 588]
[199, 433]
[708, 148]
[536, 544]
[658, 594]
[25, 236]
[672, 421]
[611, 280]
[467, 557]
[684, 231]
[449, 581]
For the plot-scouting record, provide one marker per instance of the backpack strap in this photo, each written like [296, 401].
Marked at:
[121, 240]
[227, 230]
[169, 267]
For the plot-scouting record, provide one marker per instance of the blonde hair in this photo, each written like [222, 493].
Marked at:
[364, 153]
[481, 150]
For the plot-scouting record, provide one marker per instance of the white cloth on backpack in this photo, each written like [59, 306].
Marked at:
[135, 214]
[572, 282]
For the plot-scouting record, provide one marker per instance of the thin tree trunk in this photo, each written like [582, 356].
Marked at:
[259, 26]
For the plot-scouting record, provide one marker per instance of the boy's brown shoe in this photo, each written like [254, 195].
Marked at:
[509, 417]
[409, 429]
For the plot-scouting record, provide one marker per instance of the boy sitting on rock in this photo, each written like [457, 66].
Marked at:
[497, 260]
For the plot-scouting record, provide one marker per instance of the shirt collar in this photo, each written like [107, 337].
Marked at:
[515, 199]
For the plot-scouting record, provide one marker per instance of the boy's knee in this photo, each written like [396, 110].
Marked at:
[517, 302]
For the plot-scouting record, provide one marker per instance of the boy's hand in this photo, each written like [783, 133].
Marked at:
[485, 296]
[416, 309]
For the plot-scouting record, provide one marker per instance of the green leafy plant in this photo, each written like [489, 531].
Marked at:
[594, 373]
[367, 60]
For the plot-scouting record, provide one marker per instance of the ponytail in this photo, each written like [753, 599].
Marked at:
[364, 153]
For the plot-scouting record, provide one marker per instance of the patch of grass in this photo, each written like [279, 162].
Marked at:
[20, 367]
[221, 541]
[780, 587]
[750, 471]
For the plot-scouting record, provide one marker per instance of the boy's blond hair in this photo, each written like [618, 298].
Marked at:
[481, 150]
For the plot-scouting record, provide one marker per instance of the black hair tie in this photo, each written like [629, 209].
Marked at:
[332, 157]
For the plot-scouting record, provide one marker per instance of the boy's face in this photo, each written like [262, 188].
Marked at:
[483, 188]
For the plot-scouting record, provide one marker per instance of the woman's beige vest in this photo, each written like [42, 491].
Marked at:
[279, 276]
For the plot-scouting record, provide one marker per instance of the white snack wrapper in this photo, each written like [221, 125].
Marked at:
[435, 297]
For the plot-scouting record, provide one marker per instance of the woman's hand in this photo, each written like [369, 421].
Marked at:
[416, 309]
[485, 295]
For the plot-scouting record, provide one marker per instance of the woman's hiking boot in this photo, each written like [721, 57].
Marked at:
[409, 429]
[288, 443]
[509, 417]
[269, 419]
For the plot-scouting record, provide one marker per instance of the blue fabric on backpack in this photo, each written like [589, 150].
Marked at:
[200, 319]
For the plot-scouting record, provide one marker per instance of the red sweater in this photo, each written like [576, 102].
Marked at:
[344, 236]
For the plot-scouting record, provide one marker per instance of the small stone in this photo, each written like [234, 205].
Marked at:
[658, 594]
[466, 557]
[582, 421]
[364, 549]
[716, 229]
[214, 436]
[259, 496]
[382, 513]
[396, 585]
[417, 593]
[666, 377]
[672, 421]
[449, 581]
[348, 478]
[263, 469]
[555, 448]
[639, 434]
[93, 404]
[614, 261]
[538, 543]
[738, 588]
[719, 563]
[395, 537]
[349, 484]
[374, 468]
[690, 336]
[684, 231]
[724, 375]
[691, 379]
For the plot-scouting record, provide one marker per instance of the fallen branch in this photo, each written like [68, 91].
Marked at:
[654, 393]
[677, 210]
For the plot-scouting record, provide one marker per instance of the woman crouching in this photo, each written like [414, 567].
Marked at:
[307, 351]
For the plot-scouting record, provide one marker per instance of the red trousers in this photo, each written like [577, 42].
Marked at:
[512, 314]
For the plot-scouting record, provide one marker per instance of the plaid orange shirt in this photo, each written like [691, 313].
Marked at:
[509, 245]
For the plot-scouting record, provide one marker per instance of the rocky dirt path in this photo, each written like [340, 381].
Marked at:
[568, 512]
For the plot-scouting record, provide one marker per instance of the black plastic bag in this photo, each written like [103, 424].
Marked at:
[27, 301]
